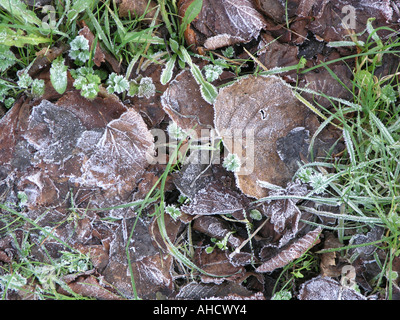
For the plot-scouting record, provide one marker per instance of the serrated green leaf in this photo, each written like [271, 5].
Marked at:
[167, 72]
[11, 38]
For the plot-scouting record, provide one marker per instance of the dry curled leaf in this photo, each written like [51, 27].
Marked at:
[91, 287]
[250, 116]
[217, 228]
[291, 252]
[284, 213]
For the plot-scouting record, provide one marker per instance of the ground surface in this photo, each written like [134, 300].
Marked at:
[96, 201]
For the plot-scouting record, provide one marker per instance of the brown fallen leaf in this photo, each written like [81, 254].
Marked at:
[151, 267]
[217, 228]
[47, 148]
[284, 214]
[196, 291]
[122, 153]
[274, 54]
[99, 56]
[326, 288]
[329, 17]
[259, 111]
[276, 10]
[217, 264]
[137, 8]
[224, 22]
[323, 82]
[330, 266]
[216, 199]
[91, 287]
[183, 102]
[291, 252]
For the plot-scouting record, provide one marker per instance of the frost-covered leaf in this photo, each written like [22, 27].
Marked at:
[58, 75]
[176, 132]
[183, 102]
[250, 116]
[215, 199]
[92, 287]
[24, 80]
[37, 88]
[197, 291]
[89, 91]
[117, 83]
[7, 58]
[167, 72]
[20, 11]
[212, 72]
[291, 252]
[325, 288]
[121, 155]
[151, 268]
[146, 88]
[208, 91]
[237, 19]
[173, 211]
[79, 50]
[284, 213]
[217, 228]
[232, 162]
[80, 43]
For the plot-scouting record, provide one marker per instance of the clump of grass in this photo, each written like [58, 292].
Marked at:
[364, 181]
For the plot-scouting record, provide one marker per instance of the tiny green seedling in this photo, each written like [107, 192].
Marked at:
[173, 211]
[220, 244]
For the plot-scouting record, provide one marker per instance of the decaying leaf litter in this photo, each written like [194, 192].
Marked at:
[80, 175]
